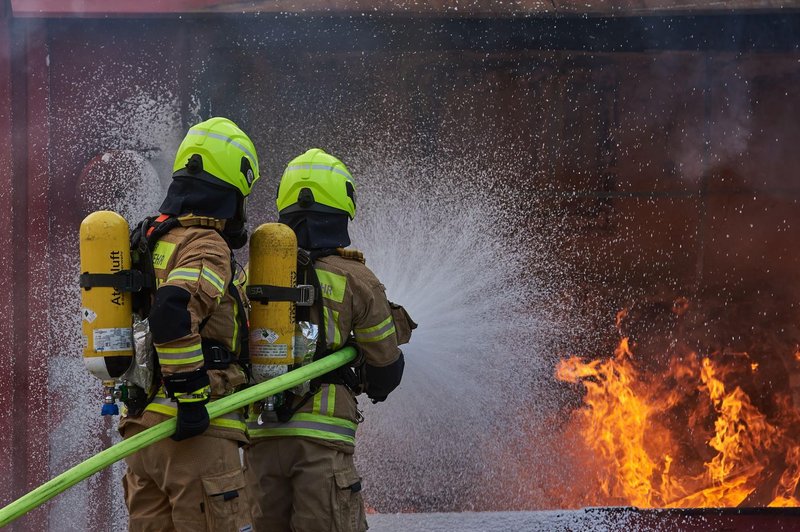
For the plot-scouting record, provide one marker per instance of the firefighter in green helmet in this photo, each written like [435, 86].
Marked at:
[299, 466]
[194, 481]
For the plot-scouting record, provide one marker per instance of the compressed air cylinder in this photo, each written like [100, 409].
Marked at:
[105, 311]
[273, 261]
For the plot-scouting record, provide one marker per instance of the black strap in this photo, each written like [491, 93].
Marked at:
[125, 280]
[302, 295]
[244, 328]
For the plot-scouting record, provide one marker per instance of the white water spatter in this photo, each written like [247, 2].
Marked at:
[457, 255]
[122, 181]
[127, 178]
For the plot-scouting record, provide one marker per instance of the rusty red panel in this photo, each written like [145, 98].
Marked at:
[30, 222]
[6, 265]
[100, 7]
[418, 7]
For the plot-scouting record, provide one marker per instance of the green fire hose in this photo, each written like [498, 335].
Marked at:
[101, 460]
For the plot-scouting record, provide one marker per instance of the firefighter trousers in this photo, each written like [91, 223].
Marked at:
[191, 485]
[301, 486]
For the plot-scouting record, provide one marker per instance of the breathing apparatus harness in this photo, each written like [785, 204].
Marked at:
[305, 297]
[140, 281]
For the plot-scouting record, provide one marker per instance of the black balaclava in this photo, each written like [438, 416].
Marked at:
[189, 195]
[318, 232]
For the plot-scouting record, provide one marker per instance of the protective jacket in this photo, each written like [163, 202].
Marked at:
[354, 301]
[195, 318]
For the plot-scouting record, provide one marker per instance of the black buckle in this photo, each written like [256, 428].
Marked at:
[302, 295]
[125, 280]
[216, 357]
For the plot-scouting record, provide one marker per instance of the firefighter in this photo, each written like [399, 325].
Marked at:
[299, 468]
[194, 481]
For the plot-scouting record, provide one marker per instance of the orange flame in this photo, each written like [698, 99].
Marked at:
[647, 459]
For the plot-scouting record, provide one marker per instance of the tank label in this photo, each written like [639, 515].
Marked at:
[88, 314]
[117, 339]
[262, 344]
[259, 336]
[269, 351]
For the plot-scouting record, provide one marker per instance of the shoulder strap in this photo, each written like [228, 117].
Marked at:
[244, 325]
[143, 240]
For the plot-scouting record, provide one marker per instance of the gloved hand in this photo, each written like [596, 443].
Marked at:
[382, 380]
[191, 391]
[192, 419]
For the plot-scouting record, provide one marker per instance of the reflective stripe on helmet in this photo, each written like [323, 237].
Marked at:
[292, 167]
[224, 139]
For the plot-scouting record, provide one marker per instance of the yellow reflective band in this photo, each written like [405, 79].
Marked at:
[235, 325]
[231, 420]
[332, 285]
[180, 355]
[331, 400]
[317, 402]
[183, 274]
[197, 396]
[324, 400]
[309, 425]
[213, 278]
[308, 433]
[376, 333]
[328, 420]
[162, 253]
[332, 334]
[180, 361]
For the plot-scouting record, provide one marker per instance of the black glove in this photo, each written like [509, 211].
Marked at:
[192, 420]
[191, 390]
[382, 380]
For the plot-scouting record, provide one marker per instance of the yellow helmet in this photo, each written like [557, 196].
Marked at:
[225, 153]
[317, 181]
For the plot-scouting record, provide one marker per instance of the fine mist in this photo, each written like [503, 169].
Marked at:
[481, 285]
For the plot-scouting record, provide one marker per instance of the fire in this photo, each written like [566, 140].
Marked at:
[688, 437]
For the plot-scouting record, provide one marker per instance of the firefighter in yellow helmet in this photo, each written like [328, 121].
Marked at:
[299, 467]
[194, 481]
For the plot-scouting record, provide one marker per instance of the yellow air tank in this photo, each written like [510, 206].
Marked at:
[105, 311]
[273, 262]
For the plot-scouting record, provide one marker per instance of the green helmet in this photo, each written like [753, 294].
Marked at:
[318, 182]
[226, 154]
